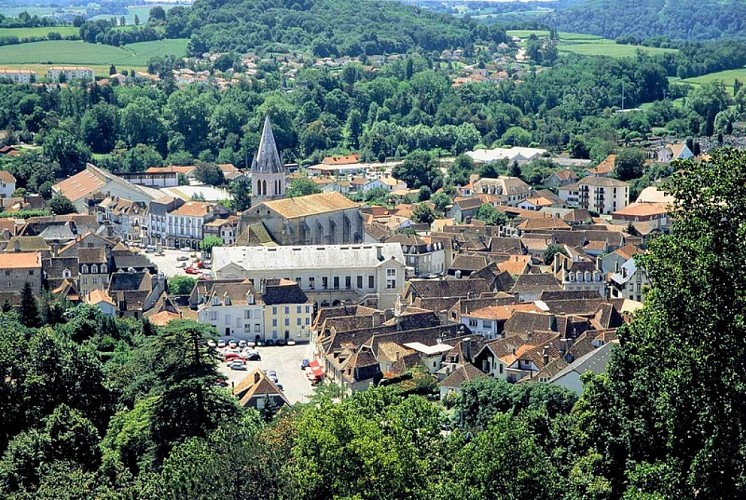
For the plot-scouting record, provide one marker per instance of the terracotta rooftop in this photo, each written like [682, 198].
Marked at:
[313, 204]
[193, 209]
[20, 260]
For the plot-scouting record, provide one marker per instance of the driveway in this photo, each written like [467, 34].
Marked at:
[286, 361]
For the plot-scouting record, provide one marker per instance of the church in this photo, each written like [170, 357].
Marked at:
[273, 219]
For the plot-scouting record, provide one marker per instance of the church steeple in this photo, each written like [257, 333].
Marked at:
[267, 159]
[267, 170]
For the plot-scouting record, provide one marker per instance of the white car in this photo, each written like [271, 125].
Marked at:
[221, 343]
[181, 265]
[211, 343]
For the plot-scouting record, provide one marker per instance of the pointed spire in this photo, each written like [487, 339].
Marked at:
[267, 159]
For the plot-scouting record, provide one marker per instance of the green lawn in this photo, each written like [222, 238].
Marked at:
[38, 32]
[78, 52]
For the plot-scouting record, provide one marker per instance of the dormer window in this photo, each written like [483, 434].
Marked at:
[84, 269]
[66, 273]
[104, 268]
[94, 269]
[216, 300]
[250, 298]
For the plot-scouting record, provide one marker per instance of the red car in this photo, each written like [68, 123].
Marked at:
[192, 270]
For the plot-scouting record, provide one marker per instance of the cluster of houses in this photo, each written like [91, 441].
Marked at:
[380, 297]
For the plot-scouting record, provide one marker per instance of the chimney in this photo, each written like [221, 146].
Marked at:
[55, 250]
[466, 348]
[379, 252]
[545, 354]
[256, 377]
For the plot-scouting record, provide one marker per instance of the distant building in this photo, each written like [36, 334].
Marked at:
[19, 269]
[600, 194]
[7, 184]
[70, 73]
[329, 274]
[671, 152]
[22, 76]
[510, 191]
[518, 154]
[184, 225]
[561, 178]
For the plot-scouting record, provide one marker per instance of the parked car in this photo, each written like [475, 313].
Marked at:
[221, 343]
[211, 343]
[149, 249]
[182, 258]
[279, 386]
[291, 342]
[269, 342]
[232, 344]
[280, 341]
[207, 265]
[181, 265]
[242, 343]
[191, 270]
[253, 355]
[305, 364]
[272, 376]
[199, 264]
[238, 365]
[232, 356]
[186, 249]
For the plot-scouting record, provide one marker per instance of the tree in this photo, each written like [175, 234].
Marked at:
[491, 216]
[210, 242]
[210, 174]
[424, 194]
[60, 205]
[181, 285]
[189, 403]
[99, 127]
[668, 412]
[551, 251]
[707, 100]
[157, 15]
[65, 149]
[441, 201]
[516, 136]
[112, 70]
[423, 213]
[629, 164]
[240, 190]
[28, 310]
[419, 169]
[182, 179]
[137, 20]
[302, 187]
[461, 169]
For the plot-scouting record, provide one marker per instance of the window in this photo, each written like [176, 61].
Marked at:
[308, 321]
[391, 273]
[287, 321]
[308, 309]
[274, 310]
[84, 269]
[287, 310]
[501, 368]
[257, 327]
[371, 282]
[324, 282]
[311, 283]
[297, 309]
[247, 314]
[360, 282]
[84, 281]
[213, 315]
[298, 321]
[274, 322]
[472, 322]
[390, 278]
[348, 282]
[95, 281]
[336, 282]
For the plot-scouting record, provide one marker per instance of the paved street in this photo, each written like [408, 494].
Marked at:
[285, 360]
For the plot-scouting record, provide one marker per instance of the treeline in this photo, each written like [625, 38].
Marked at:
[675, 19]
[104, 31]
[331, 27]
[26, 20]
[52, 35]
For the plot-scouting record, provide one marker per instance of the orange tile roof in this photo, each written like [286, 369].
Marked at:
[605, 167]
[516, 264]
[193, 209]
[97, 296]
[502, 312]
[643, 209]
[79, 185]
[20, 260]
[163, 318]
[313, 204]
[180, 169]
[7, 177]
[341, 160]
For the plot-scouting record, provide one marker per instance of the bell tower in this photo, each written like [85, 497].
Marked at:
[267, 170]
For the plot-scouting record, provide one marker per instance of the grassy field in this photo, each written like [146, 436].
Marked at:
[589, 45]
[38, 32]
[140, 10]
[608, 48]
[726, 77]
[41, 54]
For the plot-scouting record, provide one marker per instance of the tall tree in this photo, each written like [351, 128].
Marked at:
[28, 309]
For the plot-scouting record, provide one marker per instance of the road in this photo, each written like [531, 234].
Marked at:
[286, 361]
